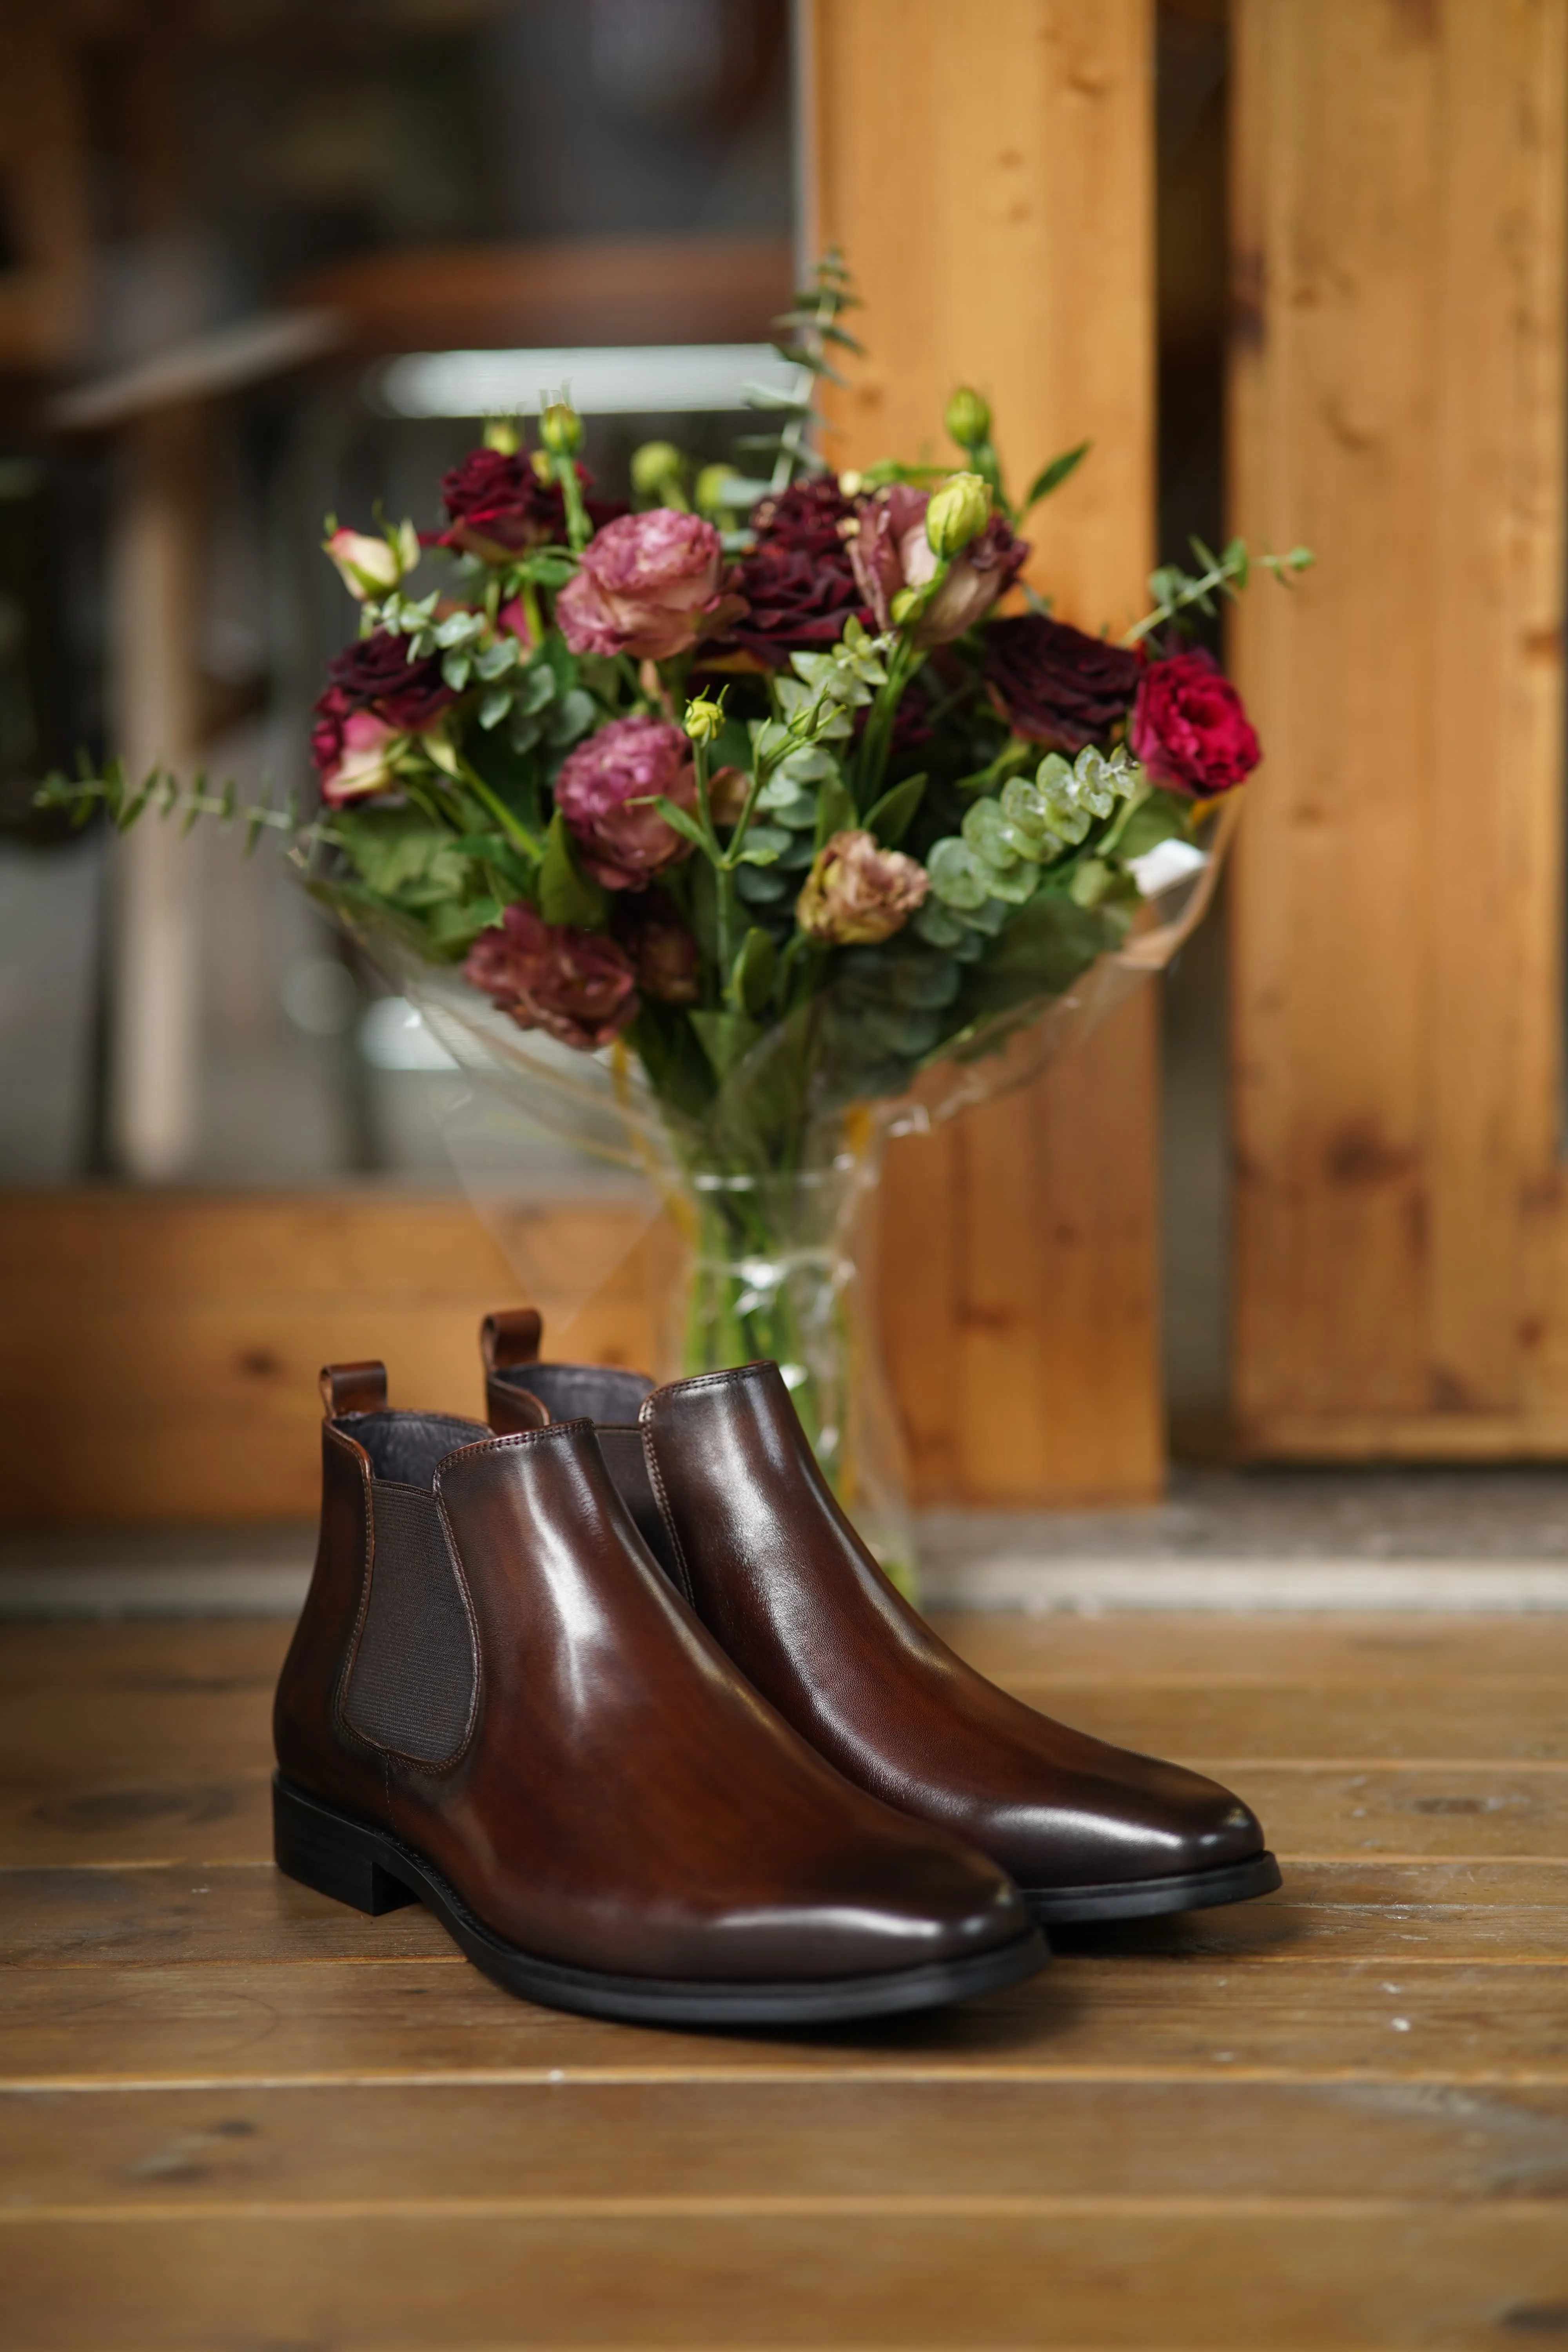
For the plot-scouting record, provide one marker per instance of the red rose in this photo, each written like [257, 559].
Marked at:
[574, 985]
[650, 585]
[798, 579]
[1189, 728]
[377, 674]
[498, 506]
[624, 762]
[1055, 685]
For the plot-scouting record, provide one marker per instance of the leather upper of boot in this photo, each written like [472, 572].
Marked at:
[774, 1569]
[491, 1665]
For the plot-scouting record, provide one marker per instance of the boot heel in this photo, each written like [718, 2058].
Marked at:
[334, 1856]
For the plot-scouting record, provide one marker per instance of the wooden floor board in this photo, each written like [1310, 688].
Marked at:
[234, 2114]
[1214, 2276]
[1105, 2137]
[1451, 2021]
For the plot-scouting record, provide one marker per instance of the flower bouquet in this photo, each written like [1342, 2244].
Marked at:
[741, 825]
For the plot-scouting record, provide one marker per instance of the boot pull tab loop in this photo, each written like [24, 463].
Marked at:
[509, 1336]
[352, 1388]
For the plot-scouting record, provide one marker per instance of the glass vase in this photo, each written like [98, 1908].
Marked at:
[781, 1266]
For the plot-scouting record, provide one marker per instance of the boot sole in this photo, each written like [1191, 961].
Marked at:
[1147, 1898]
[374, 1871]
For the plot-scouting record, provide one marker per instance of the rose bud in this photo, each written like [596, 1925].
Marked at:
[574, 985]
[662, 949]
[959, 511]
[704, 719]
[1056, 686]
[1189, 727]
[649, 585]
[628, 761]
[968, 418]
[856, 894]
[720, 493]
[560, 429]
[501, 433]
[659, 475]
[369, 567]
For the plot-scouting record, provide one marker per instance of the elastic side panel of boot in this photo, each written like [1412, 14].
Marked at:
[412, 1688]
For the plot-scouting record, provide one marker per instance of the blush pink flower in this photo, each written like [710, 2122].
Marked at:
[574, 985]
[891, 552]
[623, 845]
[856, 894]
[649, 585]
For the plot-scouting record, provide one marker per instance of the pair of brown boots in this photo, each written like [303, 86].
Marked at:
[615, 1688]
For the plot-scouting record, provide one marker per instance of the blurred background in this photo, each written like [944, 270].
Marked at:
[1295, 271]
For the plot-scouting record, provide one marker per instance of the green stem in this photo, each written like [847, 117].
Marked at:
[517, 835]
[877, 742]
[1191, 593]
[579, 530]
[1015, 753]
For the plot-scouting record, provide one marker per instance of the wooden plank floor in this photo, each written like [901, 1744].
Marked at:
[234, 2114]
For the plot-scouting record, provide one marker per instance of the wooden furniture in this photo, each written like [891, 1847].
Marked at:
[989, 174]
[236, 2111]
[1397, 403]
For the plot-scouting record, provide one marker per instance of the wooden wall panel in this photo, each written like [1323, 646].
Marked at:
[161, 1350]
[1397, 403]
[988, 173]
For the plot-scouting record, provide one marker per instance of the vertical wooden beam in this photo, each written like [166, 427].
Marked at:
[1397, 403]
[989, 174]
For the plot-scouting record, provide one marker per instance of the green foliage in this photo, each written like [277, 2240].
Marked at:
[567, 895]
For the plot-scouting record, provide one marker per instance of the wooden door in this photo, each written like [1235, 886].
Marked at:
[988, 173]
[1397, 403]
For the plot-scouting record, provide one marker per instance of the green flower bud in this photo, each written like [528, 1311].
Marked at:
[658, 467]
[560, 429]
[704, 719]
[968, 418]
[905, 605]
[718, 491]
[501, 433]
[958, 512]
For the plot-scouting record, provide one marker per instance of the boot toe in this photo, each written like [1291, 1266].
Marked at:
[1115, 1827]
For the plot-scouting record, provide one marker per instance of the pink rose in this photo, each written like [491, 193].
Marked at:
[627, 761]
[1190, 729]
[574, 985]
[356, 761]
[891, 552]
[649, 585]
[856, 894]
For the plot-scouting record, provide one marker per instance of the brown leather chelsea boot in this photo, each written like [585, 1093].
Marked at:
[495, 1704]
[750, 1532]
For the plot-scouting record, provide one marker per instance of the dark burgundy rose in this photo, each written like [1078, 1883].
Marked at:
[650, 927]
[1190, 729]
[574, 985]
[377, 675]
[498, 506]
[798, 579]
[1056, 686]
